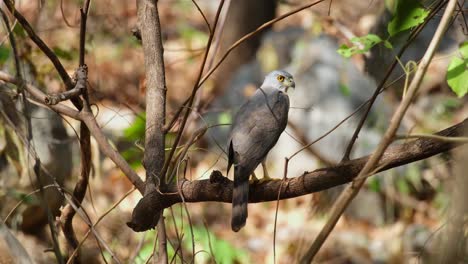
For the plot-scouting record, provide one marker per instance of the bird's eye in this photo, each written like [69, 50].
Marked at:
[280, 78]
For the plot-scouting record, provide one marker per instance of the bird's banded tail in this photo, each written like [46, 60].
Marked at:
[240, 198]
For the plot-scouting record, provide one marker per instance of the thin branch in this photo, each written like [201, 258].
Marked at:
[253, 33]
[376, 158]
[176, 116]
[329, 131]
[84, 216]
[91, 123]
[162, 250]
[203, 15]
[53, 99]
[194, 91]
[10, 4]
[38, 95]
[219, 188]
[27, 117]
[97, 222]
[79, 192]
[448, 139]
[110, 152]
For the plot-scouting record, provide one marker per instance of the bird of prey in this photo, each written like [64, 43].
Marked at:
[256, 129]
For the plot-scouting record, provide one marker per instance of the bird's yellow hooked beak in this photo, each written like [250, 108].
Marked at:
[290, 84]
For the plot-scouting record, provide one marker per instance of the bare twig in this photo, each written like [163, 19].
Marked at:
[312, 151]
[97, 222]
[194, 90]
[253, 33]
[110, 151]
[91, 123]
[162, 251]
[38, 95]
[84, 216]
[10, 4]
[29, 135]
[193, 139]
[176, 116]
[351, 191]
[203, 15]
[329, 131]
[79, 192]
[53, 99]
[448, 139]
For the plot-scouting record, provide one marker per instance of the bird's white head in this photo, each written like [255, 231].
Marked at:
[279, 79]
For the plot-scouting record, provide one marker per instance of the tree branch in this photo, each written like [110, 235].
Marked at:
[91, 123]
[10, 4]
[154, 157]
[81, 186]
[150, 28]
[219, 188]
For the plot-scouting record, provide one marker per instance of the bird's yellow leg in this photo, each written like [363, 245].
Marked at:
[254, 178]
[266, 175]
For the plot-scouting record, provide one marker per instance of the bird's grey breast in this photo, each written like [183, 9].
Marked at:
[259, 123]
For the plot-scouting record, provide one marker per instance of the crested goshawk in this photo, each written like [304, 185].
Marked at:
[256, 129]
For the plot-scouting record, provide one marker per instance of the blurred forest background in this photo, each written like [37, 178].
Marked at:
[400, 215]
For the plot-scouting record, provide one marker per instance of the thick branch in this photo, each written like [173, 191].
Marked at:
[219, 188]
[150, 28]
[153, 160]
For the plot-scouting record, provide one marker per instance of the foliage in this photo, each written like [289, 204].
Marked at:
[362, 45]
[409, 14]
[65, 54]
[137, 130]
[134, 134]
[457, 72]
[208, 246]
[344, 89]
[4, 54]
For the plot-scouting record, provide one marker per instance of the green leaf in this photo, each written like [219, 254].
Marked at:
[225, 118]
[457, 76]
[346, 51]
[374, 184]
[19, 31]
[4, 54]
[344, 89]
[137, 130]
[457, 72]
[464, 49]
[361, 45]
[409, 13]
[64, 54]
[387, 44]
[25, 198]
[368, 41]
[402, 186]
